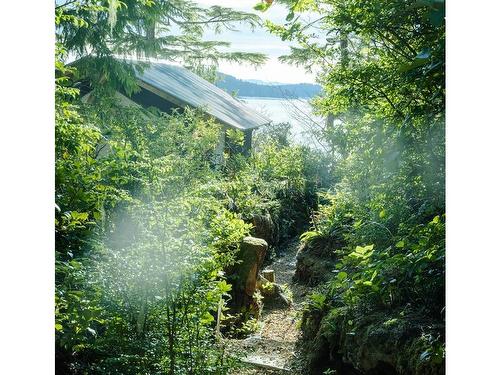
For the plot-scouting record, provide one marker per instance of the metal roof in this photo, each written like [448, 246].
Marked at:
[184, 88]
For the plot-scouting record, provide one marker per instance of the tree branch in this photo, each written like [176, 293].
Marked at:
[65, 4]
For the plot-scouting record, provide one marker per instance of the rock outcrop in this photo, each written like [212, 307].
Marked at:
[377, 343]
[315, 261]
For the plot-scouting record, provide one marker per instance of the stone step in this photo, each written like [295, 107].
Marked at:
[265, 363]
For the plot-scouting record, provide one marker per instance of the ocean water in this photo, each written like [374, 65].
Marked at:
[298, 112]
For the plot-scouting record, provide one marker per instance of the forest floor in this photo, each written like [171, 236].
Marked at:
[274, 343]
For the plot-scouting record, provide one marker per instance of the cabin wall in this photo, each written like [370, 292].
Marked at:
[147, 99]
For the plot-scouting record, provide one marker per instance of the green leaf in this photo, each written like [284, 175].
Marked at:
[363, 249]
[224, 287]
[59, 327]
[415, 64]
[79, 216]
[400, 244]
[207, 318]
[318, 298]
[290, 16]
[262, 6]
[354, 254]
[342, 276]
[76, 265]
[308, 236]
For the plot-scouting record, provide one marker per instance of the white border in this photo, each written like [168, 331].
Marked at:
[473, 165]
[27, 183]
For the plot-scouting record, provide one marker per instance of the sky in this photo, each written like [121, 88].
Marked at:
[260, 40]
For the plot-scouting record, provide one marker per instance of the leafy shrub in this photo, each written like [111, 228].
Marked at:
[145, 229]
[141, 241]
[279, 181]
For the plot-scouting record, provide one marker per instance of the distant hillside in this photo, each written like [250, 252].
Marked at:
[256, 88]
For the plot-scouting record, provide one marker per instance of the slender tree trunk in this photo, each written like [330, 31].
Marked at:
[344, 59]
[142, 314]
[247, 144]
[219, 150]
[171, 338]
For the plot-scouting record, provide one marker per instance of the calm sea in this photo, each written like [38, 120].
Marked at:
[298, 112]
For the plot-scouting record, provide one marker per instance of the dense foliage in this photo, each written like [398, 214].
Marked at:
[137, 274]
[147, 226]
[382, 70]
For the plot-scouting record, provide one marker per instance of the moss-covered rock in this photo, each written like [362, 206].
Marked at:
[373, 343]
[316, 260]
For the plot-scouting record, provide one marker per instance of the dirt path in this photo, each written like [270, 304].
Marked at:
[274, 343]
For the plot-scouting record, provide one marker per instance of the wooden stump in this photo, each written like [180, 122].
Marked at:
[251, 256]
[269, 275]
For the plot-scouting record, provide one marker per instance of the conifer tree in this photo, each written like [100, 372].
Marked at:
[100, 34]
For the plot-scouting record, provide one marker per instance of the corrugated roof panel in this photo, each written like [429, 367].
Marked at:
[195, 91]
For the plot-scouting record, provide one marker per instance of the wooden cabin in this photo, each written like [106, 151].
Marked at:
[167, 87]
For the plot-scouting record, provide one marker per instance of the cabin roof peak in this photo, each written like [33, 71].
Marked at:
[184, 88]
